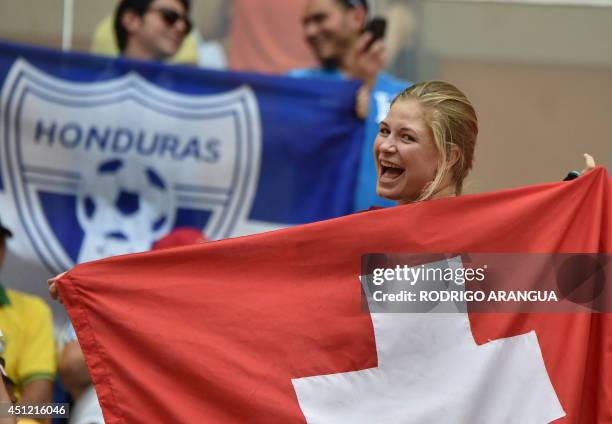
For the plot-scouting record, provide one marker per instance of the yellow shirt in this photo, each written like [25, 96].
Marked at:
[29, 348]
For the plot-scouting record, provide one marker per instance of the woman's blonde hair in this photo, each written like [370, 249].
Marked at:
[452, 120]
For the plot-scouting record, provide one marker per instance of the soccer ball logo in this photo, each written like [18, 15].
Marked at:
[123, 208]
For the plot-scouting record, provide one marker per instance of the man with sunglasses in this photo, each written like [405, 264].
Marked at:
[151, 29]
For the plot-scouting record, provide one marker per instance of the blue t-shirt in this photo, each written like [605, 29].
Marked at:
[385, 89]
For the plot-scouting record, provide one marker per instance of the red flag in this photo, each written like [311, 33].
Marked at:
[224, 331]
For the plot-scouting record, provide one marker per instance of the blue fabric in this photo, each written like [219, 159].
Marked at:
[303, 123]
[385, 89]
[70, 119]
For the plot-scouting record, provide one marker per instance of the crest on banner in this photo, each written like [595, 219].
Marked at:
[106, 168]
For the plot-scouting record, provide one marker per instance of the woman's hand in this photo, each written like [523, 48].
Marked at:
[589, 163]
[53, 291]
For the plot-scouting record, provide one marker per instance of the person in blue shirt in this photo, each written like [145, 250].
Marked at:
[334, 31]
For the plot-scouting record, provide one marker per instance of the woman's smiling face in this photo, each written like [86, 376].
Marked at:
[405, 153]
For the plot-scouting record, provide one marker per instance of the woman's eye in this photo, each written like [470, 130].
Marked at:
[408, 138]
[383, 130]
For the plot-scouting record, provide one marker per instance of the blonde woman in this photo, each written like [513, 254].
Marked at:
[425, 146]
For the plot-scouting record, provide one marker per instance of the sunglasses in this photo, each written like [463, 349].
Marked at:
[171, 17]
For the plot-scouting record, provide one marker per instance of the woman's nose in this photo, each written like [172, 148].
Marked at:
[388, 145]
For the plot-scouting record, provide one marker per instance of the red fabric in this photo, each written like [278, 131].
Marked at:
[215, 332]
[181, 236]
[267, 36]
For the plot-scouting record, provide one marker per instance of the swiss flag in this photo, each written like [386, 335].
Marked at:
[270, 328]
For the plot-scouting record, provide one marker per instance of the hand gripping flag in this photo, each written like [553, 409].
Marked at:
[271, 327]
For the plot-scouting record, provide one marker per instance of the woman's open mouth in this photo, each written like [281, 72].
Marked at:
[389, 171]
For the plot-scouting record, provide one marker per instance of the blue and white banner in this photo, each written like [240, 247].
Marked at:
[104, 156]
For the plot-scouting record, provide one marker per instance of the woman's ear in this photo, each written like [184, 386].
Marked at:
[454, 156]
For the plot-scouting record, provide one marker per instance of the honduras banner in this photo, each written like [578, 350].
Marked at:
[103, 156]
